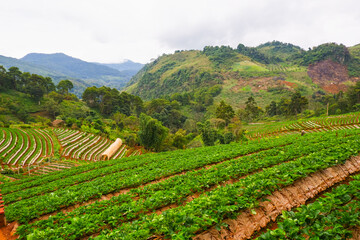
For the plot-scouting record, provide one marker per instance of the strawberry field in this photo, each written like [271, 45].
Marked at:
[319, 124]
[31, 146]
[22, 147]
[197, 193]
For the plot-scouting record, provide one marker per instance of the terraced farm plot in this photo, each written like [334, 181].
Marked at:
[86, 146]
[320, 124]
[23, 147]
[179, 194]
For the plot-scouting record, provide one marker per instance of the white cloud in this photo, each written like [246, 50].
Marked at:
[110, 30]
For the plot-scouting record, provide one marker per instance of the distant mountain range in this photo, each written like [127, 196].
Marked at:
[83, 74]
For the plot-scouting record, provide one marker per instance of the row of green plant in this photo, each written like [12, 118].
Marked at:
[35, 181]
[318, 122]
[24, 146]
[329, 217]
[174, 190]
[158, 166]
[225, 202]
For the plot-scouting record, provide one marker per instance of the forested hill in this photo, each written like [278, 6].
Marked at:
[267, 72]
[83, 74]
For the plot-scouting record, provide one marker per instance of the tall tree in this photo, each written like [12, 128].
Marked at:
[252, 111]
[64, 86]
[152, 133]
[298, 103]
[208, 133]
[225, 111]
[271, 109]
[91, 96]
[353, 95]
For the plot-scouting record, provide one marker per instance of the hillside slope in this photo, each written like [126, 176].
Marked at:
[83, 74]
[91, 73]
[267, 72]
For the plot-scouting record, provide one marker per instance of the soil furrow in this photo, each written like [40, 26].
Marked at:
[126, 190]
[247, 224]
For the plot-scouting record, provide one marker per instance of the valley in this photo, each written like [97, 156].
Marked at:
[220, 143]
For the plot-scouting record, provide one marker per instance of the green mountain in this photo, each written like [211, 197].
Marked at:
[127, 65]
[280, 51]
[267, 72]
[83, 74]
[8, 62]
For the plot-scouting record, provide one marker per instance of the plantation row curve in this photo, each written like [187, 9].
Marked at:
[197, 192]
[22, 147]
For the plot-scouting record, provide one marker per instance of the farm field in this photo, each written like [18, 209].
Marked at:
[220, 192]
[319, 124]
[21, 148]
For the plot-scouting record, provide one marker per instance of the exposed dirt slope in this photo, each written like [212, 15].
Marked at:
[329, 75]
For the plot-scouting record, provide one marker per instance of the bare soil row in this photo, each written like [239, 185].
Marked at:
[247, 223]
[126, 190]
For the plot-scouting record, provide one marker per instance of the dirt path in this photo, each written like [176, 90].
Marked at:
[246, 224]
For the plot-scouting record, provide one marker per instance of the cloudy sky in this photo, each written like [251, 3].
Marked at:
[113, 30]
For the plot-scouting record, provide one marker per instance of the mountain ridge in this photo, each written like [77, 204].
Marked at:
[268, 72]
[60, 66]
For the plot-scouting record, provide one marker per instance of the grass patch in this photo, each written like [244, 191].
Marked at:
[248, 66]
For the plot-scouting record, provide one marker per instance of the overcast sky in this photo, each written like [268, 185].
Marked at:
[112, 30]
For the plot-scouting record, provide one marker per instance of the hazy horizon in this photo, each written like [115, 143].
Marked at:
[110, 31]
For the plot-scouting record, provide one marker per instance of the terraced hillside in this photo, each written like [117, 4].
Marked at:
[86, 146]
[319, 124]
[22, 147]
[195, 193]
[30, 146]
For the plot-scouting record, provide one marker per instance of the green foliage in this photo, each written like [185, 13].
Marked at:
[109, 101]
[277, 51]
[180, 139]
[208, 133]
[329, 217]
[64, 86]
[152, 133]
[354, 66]
[223, 56]
[293, 106]
[271, 109]
[353, 95]
[227, 201]
[251, 111]
[225, 111]
[72, 109]
[298, 103]
[253, 53]
[333, 51]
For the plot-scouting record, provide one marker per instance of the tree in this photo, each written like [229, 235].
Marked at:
[35, 90]
[52, 107]
[152, 133]
[208, 133]
[252, 111]
[64, 86]
[14, 76]
[353, 95]
[180, 139]
[48, 84]
[225, 111]
[271, 109]
[91, 96]
[7, 79]
[297, 103]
